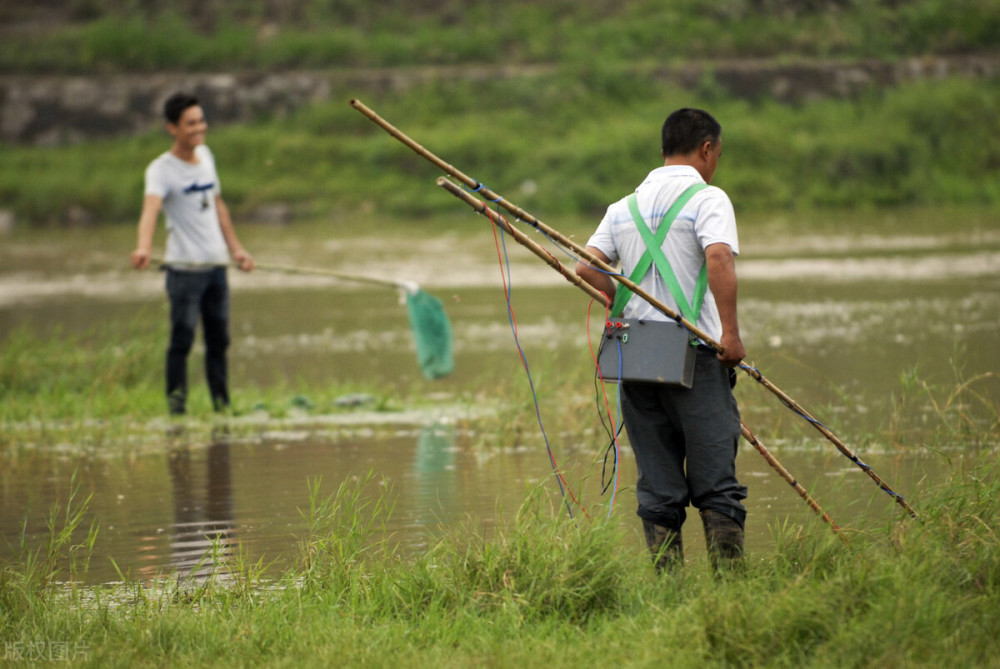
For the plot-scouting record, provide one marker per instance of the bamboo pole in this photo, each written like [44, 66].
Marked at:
[480, 207]
[580, 250]
[791, 480]
[314, 271]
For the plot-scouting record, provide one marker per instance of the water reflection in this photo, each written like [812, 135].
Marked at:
[179, 509]
[203, 531]
[435, 483]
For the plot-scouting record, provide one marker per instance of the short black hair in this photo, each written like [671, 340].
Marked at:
[686, 129]
[175, 105]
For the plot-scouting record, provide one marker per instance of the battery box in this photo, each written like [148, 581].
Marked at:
[635, 349]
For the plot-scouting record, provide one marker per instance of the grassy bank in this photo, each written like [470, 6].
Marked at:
[553, 146]
[539, 590]
[118, 35]
[99, 389]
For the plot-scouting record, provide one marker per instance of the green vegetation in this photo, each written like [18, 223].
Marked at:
[561, 141]
[99, 388]
[123, 35]
[565, 138]
[541, 590]
[57, 377]
[555, 148]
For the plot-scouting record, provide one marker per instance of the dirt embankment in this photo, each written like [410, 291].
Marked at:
[52, 110]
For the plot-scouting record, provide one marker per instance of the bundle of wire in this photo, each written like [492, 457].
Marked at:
[613, 431]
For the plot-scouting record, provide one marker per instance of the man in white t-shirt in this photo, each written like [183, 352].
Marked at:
[200, 241]
[684, 440]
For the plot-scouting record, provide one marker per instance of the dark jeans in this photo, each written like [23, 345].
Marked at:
[685, 444]
[203, 293]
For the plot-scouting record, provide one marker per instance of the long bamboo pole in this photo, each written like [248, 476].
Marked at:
[480, 207]
[315, 271]
[580, 250]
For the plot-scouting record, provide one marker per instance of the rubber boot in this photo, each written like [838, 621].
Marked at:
[665, 546]
[724, 540]
[176, 401]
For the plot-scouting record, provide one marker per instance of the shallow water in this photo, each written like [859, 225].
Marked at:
[160, 511]
[835, 332]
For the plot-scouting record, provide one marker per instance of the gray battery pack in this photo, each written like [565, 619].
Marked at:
[647, 350]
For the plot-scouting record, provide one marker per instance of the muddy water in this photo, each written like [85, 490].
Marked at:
[834, 320]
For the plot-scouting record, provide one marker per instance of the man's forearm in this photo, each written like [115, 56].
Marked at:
[243, 259]
[722, 280]
[226, 224]
[595, 277]
[144, 236]
[145, 231]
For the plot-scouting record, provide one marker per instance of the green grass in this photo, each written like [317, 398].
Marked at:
[562, 142]
[541, 589]
[556, 149]
[99, 388]
[537, 589]
[118, 35]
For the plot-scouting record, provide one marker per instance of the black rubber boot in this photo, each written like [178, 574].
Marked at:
[665, 546]
[724, 540]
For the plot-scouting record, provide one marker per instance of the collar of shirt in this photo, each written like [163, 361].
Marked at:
[668, 171]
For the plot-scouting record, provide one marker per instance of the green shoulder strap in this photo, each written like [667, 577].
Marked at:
[654, 254]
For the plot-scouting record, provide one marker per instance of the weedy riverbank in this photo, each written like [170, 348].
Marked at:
[536, 587]
[538, 590]
[327, 161]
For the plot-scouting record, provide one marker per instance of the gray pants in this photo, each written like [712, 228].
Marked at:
[700, 426]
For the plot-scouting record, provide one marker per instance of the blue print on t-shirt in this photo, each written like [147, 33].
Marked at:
[196, 188]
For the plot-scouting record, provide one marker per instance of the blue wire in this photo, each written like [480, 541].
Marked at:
[479, 186]
[531, 383]
[853, 458]
[808, 419]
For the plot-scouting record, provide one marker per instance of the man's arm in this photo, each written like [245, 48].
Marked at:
[722, 281]
[147, 226]
[243, 259]
[595, 277]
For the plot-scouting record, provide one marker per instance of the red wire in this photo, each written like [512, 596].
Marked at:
[513, 320]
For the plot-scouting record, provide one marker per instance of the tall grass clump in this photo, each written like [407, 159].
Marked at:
[27, 578]
[958, 416]
[541, 565]
[544, 565]
[346, 533]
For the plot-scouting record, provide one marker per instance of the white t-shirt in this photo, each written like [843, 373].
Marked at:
[188, 191]
[706, 219]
